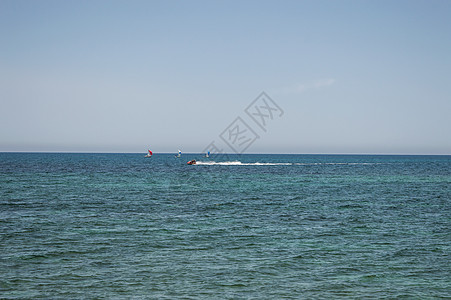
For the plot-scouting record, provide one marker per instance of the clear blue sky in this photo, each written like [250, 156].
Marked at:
[123, 76]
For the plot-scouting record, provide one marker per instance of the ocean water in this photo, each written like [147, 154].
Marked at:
[240, 227]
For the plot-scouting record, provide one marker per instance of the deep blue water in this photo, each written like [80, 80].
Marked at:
[274, 226]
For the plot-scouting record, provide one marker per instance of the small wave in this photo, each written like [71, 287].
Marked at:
[348, 164]
[238, 163]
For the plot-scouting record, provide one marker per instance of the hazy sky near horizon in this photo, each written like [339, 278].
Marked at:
[124, 76]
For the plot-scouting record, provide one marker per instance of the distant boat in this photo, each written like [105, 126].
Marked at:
[179, 154]
[208, 154]
[149, 154]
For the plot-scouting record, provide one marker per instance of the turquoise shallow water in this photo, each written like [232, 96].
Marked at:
[273, 226]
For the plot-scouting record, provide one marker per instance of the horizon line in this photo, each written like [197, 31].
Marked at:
[225, 153]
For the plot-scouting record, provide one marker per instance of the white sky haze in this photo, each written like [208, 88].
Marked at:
[123, 76]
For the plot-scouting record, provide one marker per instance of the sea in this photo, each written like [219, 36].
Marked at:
[122, 226]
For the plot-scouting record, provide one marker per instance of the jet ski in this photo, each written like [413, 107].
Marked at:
[192, 162]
